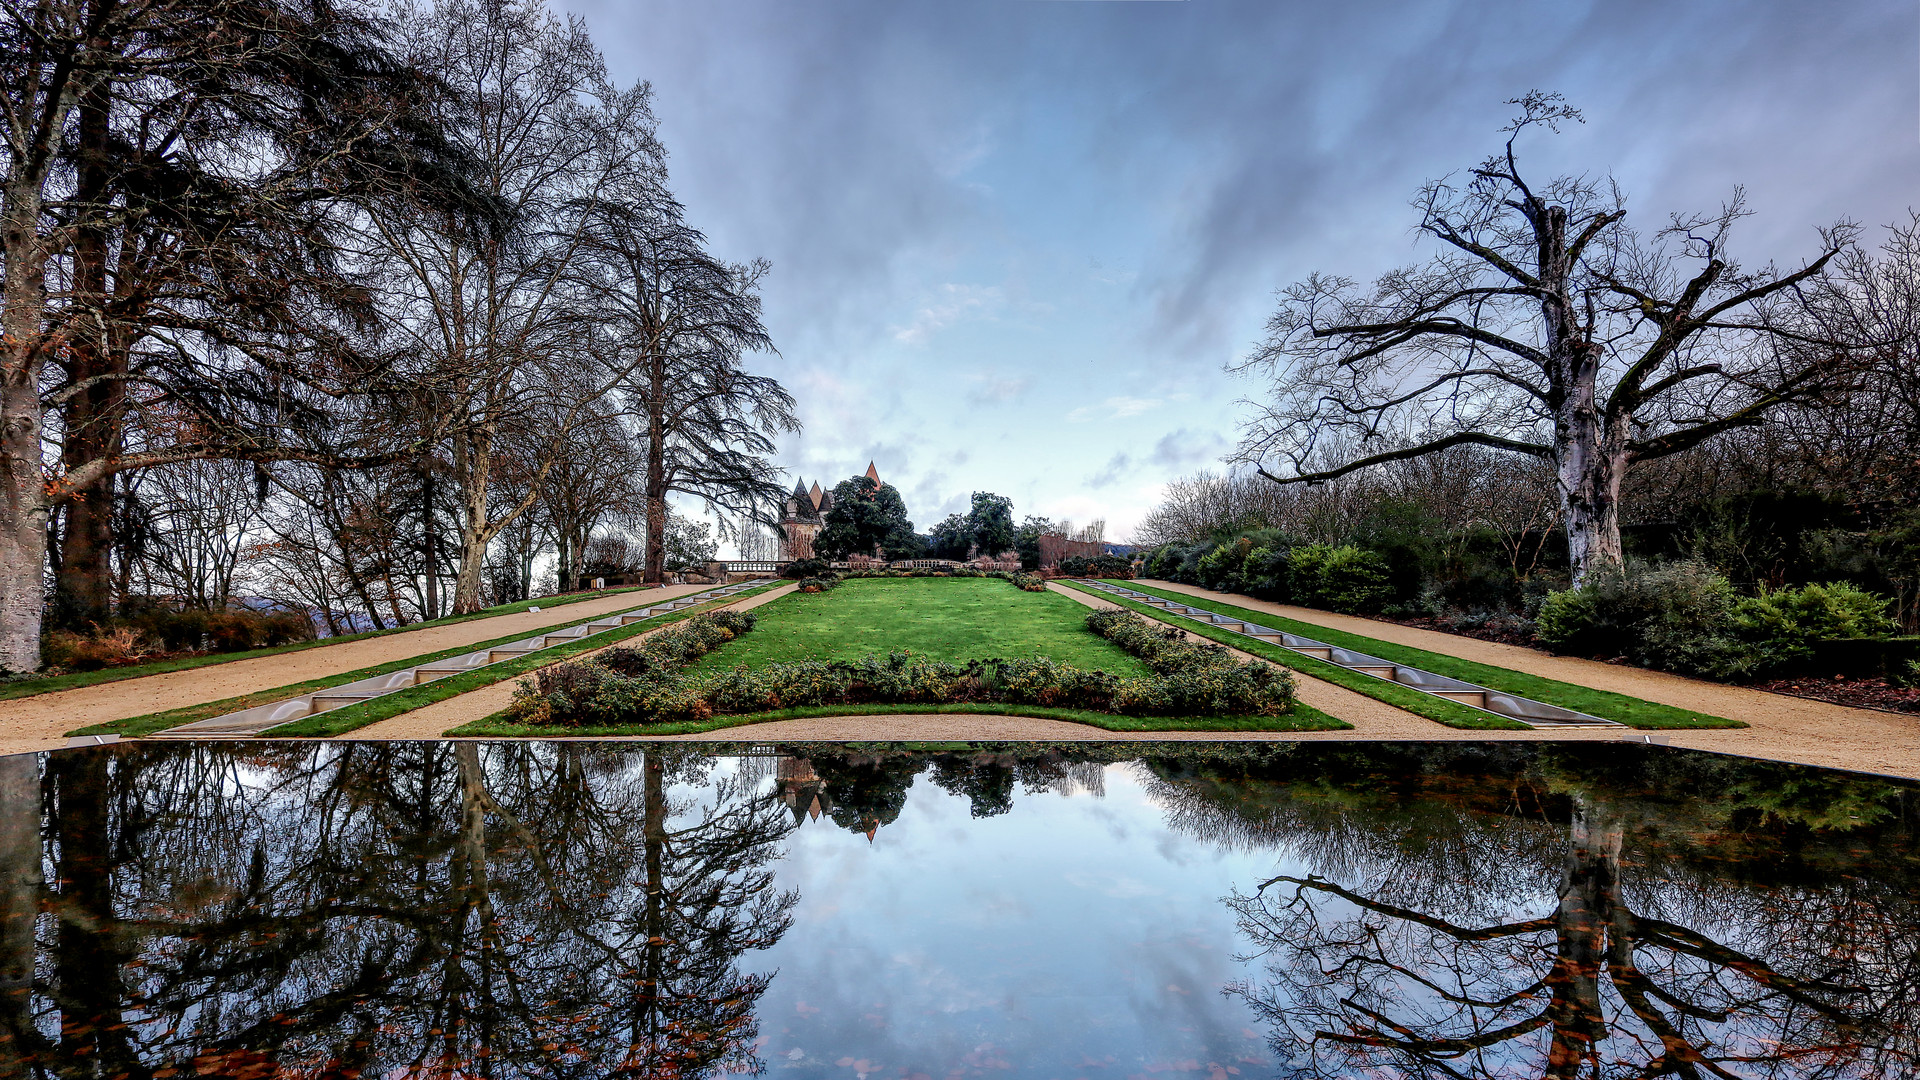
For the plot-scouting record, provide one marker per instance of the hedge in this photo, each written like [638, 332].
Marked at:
[648, 686]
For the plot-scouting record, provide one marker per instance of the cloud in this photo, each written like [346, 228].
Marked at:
[1117, 408]
[1116, 467]
[1184, 448]
[951, 304]
[996, 389]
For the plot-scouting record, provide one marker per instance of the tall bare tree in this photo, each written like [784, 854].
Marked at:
[170, 179]
[1550, 329]
[684, 320]
[485, 328]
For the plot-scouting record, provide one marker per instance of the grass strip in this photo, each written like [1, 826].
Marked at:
[1440, 710]
[342, 720]
[1301, 718]
[1632, 711]
[160, 721]
[48, 684]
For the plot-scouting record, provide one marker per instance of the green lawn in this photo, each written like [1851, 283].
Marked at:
[944, 619]
[1605, 704]
[953, 619]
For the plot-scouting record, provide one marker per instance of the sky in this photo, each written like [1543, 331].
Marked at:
[1016, 245]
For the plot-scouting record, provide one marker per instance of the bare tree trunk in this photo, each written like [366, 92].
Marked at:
[657, 478]
[23, 531]
[1589, 461]
[83, 589]
[432, 553]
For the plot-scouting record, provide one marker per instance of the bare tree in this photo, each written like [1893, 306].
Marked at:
[1547, 329]
[486, 332]
[684, 320]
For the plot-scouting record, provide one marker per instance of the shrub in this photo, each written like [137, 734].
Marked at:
[81, 652]
[284, 628]
[1193, 678]
[805, 568]
[1098, 566]
[1345, 578]
[1778, 625]
[1265, 573]
[232, 631]
[621, 681]
[820, 584]
[1223, 563]
[1029, 582]
[647, 684]
[179, 631]
[1677, 617]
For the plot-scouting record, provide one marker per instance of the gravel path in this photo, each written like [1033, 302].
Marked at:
[1779, 727]
[434, 720]
[38, 723]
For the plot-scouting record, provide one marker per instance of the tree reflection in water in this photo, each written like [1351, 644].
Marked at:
[1489, 911]
[402, 909]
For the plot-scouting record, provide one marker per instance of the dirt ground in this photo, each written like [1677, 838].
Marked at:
[38, 723]
[442, 716]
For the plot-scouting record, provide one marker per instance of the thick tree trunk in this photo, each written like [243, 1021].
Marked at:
[1589, 455]
[657, 484]
[92, 427]
[23, 526]
[473, 461]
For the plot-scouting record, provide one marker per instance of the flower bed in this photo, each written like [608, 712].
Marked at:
[647, 685]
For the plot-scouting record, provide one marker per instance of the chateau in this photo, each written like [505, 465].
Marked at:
[806, 515]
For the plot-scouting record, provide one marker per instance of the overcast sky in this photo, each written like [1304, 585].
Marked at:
[1015, 243]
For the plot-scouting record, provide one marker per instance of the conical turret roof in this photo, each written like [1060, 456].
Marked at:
[799, 488]
[873, 474]
[815, 494]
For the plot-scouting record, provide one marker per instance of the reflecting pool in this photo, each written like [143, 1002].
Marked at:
[1061, 911]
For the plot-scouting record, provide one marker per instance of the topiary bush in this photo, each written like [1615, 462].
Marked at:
[805, 568]
[1028, 582]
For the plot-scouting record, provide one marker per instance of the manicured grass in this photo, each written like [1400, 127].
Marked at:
[1632, 711]
[944, 619]
[47, 684]
[352, 716]
[1302, 718]
[951, 619]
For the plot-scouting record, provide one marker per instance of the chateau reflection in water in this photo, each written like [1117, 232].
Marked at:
[571, 909]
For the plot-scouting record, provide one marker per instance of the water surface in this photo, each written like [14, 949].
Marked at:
[1319, 909]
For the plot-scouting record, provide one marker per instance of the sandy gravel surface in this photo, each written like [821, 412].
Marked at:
[33, 723]
[1782, 728]
[442, 716]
